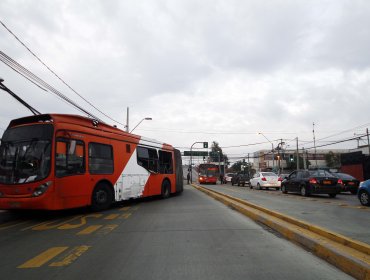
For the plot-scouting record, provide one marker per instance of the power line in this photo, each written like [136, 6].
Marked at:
[25, 72]
[92, 105]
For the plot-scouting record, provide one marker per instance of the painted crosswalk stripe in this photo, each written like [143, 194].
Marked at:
[89, 230]
[125, 208]
[43, 258]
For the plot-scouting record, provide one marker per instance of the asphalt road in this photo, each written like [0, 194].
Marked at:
[343, 214]
[190, 236]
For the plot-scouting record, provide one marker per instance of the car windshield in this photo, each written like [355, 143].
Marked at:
[321, 173]
[23, 157]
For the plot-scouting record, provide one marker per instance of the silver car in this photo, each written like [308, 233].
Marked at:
[262, 180]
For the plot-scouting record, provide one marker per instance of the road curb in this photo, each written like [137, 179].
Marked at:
[351, 256]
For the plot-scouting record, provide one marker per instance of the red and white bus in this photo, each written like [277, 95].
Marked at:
[208, 173]
[56, 161]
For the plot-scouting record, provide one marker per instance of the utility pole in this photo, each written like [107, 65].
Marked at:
[297, 155]
[314, 143]
[304, 159]
[368, 142]
[127, 120]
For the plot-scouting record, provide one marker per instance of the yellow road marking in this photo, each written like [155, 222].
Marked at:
[74, 254]
[111, 216]
[125, 216]
[51, 225]
[125, 208]
[107, 229]
[43, 257]
[81, 223]
[89, 230]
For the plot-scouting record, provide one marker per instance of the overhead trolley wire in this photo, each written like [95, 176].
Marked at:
[25, 72]
[87, 101]
[24, 103]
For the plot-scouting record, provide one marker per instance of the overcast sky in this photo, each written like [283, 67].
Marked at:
[203, 70]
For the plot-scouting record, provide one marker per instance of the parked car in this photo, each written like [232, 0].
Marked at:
[350, 183]
[266, 180]
[228, 177]
[312, 182]
[364, 193]
[240, 179]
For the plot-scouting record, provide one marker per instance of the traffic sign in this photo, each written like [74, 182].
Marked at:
[196, 153]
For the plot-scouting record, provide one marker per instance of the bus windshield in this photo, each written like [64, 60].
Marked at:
[25, 154]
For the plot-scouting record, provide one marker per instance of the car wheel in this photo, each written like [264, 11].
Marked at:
[332, 195]
[364, 198]
[101, 198]
[258, 186]
[304, 191]
[283, 189]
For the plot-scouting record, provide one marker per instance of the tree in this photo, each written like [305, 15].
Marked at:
[217, 154]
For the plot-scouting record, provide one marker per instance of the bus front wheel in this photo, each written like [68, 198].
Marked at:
[101, 198]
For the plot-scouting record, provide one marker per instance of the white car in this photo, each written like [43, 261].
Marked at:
[266, 180]
[228, 177]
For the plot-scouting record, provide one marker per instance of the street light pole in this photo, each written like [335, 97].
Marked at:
[272, 150]
[144, 119]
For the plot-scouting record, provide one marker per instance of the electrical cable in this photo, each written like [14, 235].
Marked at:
[92, 105]
[13, 64]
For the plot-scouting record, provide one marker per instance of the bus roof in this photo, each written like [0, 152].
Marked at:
[81, 121]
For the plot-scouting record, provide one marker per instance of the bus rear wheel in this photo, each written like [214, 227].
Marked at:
[101, 198]
[166, 189]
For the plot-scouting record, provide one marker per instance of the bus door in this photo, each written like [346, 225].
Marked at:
[70, 169]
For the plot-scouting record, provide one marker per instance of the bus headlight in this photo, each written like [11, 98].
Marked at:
[42, 188]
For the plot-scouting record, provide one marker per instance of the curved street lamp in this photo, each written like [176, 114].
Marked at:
[144, 119]
[272, 149]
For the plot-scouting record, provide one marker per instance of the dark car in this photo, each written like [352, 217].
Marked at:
[240, 179]
[364, 193]
[350, 183]
[308, 182]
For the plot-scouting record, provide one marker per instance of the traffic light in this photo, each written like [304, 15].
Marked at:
[291, 158]
[205, 144]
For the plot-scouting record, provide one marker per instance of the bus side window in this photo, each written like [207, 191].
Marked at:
[100, 158]
[147, 158]
[165, 162]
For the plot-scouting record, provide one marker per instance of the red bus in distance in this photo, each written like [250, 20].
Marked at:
[56, 161]
[208, 173]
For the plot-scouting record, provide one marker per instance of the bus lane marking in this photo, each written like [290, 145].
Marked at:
[82, 222]
[51, 225]
[71, 257]
[43, 258]
[125, 216]
[89, 230]
[111, 216]
[107, 229]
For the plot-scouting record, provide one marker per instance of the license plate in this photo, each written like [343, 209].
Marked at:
[326, 182]
[351, 183]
